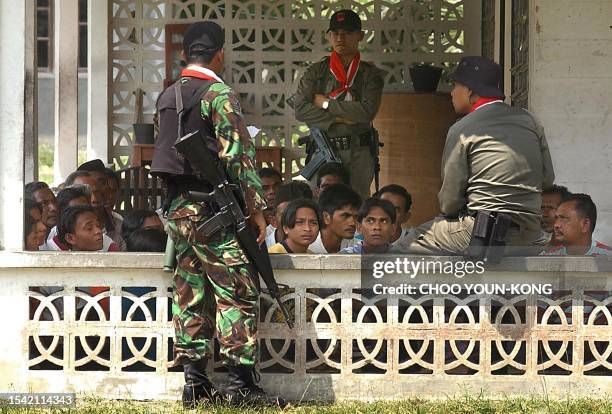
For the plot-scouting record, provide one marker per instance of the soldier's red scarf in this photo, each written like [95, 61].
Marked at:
[484, 101]
[200, 73]
[342, 76]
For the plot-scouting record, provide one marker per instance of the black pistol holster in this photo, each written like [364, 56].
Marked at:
[489, 236]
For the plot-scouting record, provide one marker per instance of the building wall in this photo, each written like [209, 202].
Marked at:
[571, 80]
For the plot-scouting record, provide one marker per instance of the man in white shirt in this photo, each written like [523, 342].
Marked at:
[402, 201]
[339, 205]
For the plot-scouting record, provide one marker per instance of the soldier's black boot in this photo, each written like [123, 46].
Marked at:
[198, 389]
[243, 390]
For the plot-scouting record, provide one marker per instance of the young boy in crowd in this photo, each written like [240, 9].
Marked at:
[300, 223]
[286, 193]
[73, 196]
[402, 201]
[98, 186]
[109, 219]
[377, 219]
[80, 229]
[35, 230]
[113, 184]
[270, 181]
[138, 220]
[39, 192]
[339, 205]
[147, 240]
[330, 174]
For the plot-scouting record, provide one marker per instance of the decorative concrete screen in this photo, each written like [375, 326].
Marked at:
[268, 46]
[346, 344]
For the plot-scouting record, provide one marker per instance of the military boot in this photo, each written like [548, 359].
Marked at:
[243, 390]
[198, 388]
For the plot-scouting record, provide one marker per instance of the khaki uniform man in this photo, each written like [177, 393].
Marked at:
[341, 95]
[496, 158]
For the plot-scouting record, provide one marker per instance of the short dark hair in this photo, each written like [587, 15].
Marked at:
[334, 168]
[337, 196]
[134, 220]
[585, 207]
[76, 174]
[28, 205]
[68, 219]
[561, 190]
[146, 240]
[112, 175]
[290, 213]
[398, 190]
[292, 190]
[372, 202]
[67, 194]
[269, 172]
[31, 188]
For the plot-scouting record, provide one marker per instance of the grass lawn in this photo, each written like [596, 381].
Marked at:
[460, 405]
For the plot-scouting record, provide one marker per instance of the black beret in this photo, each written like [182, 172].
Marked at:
[207, 36]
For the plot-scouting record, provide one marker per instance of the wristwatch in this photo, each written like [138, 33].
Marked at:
[325, 104]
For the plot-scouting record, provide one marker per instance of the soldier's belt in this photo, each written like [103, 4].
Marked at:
[346, 142]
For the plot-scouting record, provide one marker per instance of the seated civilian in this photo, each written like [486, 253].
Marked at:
[80, 229]
[113, 183]
[286, 193]
[39, 192]
[270, 181]
[339, 205]
[330, 174]
[300, 223]
[110, 219]
[551, 198]
[138, 220]
[35, 230]
[574, 225]
[402, 201]
[72, 196]
[98, 200]
[147, 240]
[377, 218]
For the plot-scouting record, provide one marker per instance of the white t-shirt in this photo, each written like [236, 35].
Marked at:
[318, 247]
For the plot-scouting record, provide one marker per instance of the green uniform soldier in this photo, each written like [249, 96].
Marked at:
[341, 95]
[212, 285]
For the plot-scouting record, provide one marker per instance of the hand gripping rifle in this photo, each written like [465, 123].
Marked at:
[322, 154]
[228, 198]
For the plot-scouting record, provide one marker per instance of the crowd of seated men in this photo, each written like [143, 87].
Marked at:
[81, 216]
[329, 218]
[334, 219]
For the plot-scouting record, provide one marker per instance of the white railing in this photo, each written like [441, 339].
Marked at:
[346, 344]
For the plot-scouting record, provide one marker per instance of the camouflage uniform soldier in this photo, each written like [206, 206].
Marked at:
[212, 283]
[341, 95]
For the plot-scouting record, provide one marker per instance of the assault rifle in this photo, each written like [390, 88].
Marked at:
[322, 153]
[375, 146]
[227, 198]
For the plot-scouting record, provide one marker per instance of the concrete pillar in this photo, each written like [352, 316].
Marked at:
[98, 131]
[17, 85]
[66, 52]
[570, 82]
[31, 96]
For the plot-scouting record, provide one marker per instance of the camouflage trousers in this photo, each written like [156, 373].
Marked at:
[212, 289]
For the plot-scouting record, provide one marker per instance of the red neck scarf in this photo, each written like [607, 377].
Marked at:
[196, 74]
[345, 79]
[483, 101]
